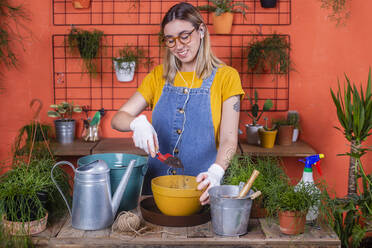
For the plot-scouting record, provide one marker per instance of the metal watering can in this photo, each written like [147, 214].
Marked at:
[93, 207]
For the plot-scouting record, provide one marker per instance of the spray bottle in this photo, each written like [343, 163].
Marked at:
[307, 178]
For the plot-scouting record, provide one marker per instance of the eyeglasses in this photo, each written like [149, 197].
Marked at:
[184, 38]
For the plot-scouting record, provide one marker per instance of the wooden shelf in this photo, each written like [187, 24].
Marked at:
[78, 148]
[118, 145]
[297, 149]
[107, 145]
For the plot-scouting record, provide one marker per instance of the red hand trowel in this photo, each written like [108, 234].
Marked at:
[170, 160]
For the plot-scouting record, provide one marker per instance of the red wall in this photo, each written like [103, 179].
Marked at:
[321, 52]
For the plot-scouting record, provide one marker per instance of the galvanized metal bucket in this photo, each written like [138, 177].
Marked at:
[65, 131]
[230, 216]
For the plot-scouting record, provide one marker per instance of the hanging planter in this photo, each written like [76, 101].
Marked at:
[81, 4]
[124, 70]
[126, 61]
[223, 14]
[222, 23]
[268, 3]
[86, 44]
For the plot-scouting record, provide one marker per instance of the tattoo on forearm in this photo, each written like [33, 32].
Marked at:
[236, 106]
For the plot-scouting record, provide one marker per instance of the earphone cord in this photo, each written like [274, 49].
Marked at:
[186, 101]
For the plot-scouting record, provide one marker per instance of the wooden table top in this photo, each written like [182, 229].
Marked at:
[260, 234]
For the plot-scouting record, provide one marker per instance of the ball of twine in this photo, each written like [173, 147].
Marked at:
[127, 221]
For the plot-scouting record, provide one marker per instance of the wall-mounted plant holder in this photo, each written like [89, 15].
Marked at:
[81, 4]
[268, 3]
[124, 71]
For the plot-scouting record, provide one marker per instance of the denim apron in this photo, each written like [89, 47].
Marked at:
[197, 145]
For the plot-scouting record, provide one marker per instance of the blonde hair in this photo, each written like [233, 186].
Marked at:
[206, 59]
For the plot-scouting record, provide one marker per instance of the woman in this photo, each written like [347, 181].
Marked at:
[195, 100]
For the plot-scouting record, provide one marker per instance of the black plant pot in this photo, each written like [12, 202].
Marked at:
[43, 197]
[268, 3]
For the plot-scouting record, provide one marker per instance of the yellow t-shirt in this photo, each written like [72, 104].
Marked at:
[226, 83]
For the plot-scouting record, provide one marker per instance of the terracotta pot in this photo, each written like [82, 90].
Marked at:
[292, 223]
[267, 138]
[222, 24]
[285, 135]
[81, 4]
[25, 228]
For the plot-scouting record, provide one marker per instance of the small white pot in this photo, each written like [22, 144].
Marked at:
[125, 75]
[296, 132]
[252, 134]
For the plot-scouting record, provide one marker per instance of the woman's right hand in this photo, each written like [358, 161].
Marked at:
[144, 135]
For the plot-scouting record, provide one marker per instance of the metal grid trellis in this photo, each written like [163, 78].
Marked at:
[72, 84]
[150, 12]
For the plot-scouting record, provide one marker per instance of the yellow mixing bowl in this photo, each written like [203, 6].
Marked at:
[176, 195]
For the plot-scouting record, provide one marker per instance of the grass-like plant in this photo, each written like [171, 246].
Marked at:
[271, 53]
[86, 44]
[242, 166]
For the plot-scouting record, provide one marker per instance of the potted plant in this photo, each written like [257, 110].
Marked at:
[223, 14]
[285, 131]
[65, 126]
[81, 4]
[24, 193]
[240, 169]
[292, 204]
[267, 135]
[269, 55]
[294, 118]
[86, 44]
[255, 115]
[268, 3]
[126, 60]
[345, 215]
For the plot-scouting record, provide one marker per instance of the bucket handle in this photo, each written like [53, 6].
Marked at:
[54, 181]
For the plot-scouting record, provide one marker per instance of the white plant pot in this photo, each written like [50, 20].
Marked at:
[125, 75]
[296, 132]
[252, 134]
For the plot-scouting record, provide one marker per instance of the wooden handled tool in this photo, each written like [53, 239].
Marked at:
[248, 185]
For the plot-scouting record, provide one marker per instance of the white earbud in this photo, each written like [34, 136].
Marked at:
[201, 33]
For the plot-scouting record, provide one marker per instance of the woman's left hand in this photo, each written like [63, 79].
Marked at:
[209, 179]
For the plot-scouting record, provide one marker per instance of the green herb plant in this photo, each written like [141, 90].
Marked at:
[255, 115]
[224, 6]
[86, 44]
[64, 110]
[241, 168]
[271, 53]
[129, 54]
[286, 197]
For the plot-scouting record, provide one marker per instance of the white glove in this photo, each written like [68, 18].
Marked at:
[144, 135]
[208, 179]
